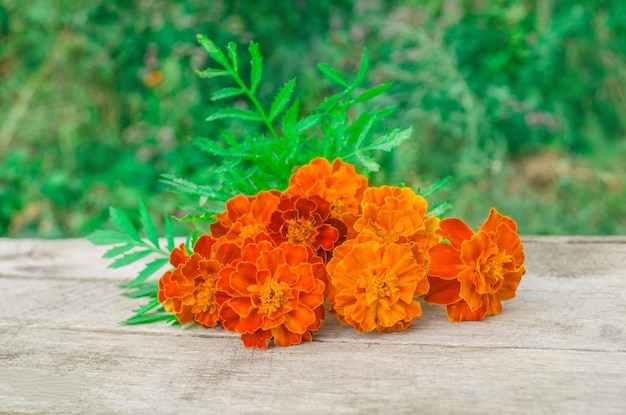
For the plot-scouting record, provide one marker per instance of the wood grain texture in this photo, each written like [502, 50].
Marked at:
[559, 347]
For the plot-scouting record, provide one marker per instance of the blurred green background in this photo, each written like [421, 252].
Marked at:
[521, 102]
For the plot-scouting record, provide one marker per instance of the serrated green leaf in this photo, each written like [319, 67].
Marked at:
[226, 93]
[148, 226]
[147, 289]
[211, 147]
[392, 140]
[367, 162]
[118, 250]
[364, 131]
[440, 210]
[332, 74]
[130, 258]
[435, 186]
[329, 102]
[309, 121]
[256, 66]
[169, 231]
[190, 242]
[232, 54]
[106, 237]
[154, 303]
[121, 222]
[236, 113]
[214, 52]
[373, 92]
[211, 73]
[363, 68]
[147, 272]
[150, 318]
[282, 99]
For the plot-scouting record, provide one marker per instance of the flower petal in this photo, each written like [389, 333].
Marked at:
[443, 292]
[455, 230]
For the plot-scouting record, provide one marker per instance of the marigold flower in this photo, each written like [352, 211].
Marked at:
[398, 215]
[474, 272]
[338, 183]
[373, 285]
[305, 221]
[273, 293]
[189, 290]
[245, 216]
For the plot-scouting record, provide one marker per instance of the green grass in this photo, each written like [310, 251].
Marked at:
[520, 102]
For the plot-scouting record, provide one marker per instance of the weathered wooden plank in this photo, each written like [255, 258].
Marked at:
[137, 373]
[559, 347]
[549, 312]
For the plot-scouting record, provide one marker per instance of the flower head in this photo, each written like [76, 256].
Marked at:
[306, 221]
[338, 183]
[246, 216]
[397, 215]
[474, 272]
[373, 285]
[189, 290]
[273, 293]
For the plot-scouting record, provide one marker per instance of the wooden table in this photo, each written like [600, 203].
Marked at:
[559, 347]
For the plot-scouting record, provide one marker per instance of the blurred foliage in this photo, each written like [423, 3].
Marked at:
[520, 101]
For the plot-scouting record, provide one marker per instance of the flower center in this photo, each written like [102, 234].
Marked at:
[250, 231]
[381, 283]
[299, 231]
[272, 296]
[493, 269]
[205, 297]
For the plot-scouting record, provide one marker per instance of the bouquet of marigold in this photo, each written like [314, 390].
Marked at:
[294, 225]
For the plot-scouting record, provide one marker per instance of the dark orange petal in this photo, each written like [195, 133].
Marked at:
[495, 219]
[251, 323]
[257, 339]
[203, 245]
[445, 261]
[495, 306]
[284, 337]
[206, 319]
[478, 246]
[178, 255]
[241, 305]
[244, 277]
[455, 230]
[461, 312]
[299, 319]
[443, 292]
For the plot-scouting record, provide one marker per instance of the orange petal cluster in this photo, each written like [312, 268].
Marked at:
[473, 273]
[272, 260]
[376, 276]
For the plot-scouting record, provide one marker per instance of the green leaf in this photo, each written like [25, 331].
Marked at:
[331, 74]
[154, 303]
[147, 289]
[118, 250]
[232, 54]
[256, 66]
[226, 93]
[435, 186]
[169, 231]
[236, 113]
[282, 98]
[309, 121]
[440, 210]
[367, 162]
[330, 102]
[214, 52]
[105, 237]
[148, 226]
[121, 221]
[147, 272]
[373, 92]
[211, 73]
[130, 258]
[393, 139]
[364, 131]
[363, 68]
[150, 318]
[190, 242]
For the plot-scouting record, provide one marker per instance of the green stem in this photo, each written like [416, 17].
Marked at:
[256, 104]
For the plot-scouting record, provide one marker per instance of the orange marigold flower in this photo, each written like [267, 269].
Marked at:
[374, 285]
[338, 183]
[398, 215]
[474, 272]
[273, 293]
[305, 221]
[246, 216]
[189, 290]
